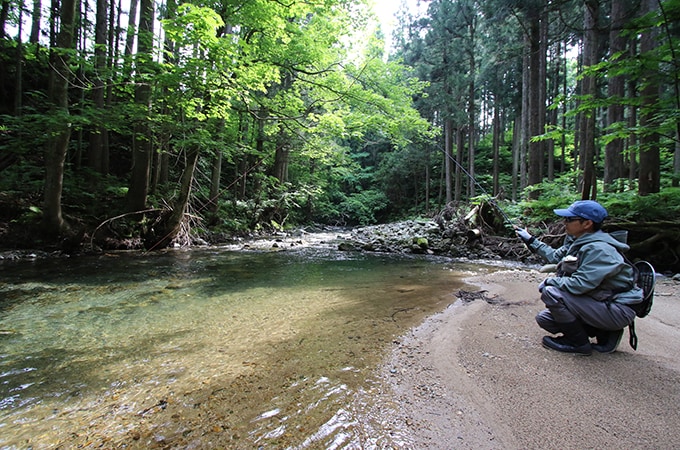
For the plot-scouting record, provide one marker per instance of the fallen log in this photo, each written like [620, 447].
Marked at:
[657, 242]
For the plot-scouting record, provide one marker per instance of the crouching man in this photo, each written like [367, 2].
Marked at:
[593, 284]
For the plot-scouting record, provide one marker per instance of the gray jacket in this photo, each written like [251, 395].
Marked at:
[600, 272]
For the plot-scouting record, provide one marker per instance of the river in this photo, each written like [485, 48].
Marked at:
[206, 348]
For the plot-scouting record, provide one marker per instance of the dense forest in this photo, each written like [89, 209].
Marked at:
[157, 122]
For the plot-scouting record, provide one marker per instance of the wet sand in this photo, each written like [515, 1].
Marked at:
[477, 377]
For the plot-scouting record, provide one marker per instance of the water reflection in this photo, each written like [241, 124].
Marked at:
[202, 348]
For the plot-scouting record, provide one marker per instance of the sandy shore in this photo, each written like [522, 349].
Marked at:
[476, 376]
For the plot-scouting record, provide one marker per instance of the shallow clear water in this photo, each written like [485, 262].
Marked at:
[203, 348]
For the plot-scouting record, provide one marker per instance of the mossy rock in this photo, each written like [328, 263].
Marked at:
[422, 242]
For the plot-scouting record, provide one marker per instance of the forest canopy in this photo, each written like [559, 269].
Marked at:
[156, 117]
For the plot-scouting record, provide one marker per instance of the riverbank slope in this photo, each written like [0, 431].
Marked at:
[476, 376]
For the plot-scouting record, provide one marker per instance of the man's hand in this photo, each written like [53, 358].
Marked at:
[523, 234]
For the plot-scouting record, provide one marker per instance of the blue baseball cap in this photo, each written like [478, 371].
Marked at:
[587, 209]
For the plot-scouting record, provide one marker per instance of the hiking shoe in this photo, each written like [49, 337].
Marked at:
[608, 341]
[561, 344]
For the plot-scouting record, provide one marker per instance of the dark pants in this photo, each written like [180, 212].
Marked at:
[563, 307]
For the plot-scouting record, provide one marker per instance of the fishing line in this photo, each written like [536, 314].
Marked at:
[491, 200]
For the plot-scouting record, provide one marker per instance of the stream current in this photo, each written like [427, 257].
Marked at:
[206, 348]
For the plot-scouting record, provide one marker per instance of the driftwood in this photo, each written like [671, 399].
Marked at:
[485, 216]
[471, 219]
[467, 297]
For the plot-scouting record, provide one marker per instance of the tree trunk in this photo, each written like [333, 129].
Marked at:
[4, 14]
[54, 20]
[57, 147]
[18, 88]
[35, 22]
[650, 173]
[112, 52]
[632, 122]
[516, 148]
[81, 48]
[164, 166]
[524, 119]
[542, 88]
[240, 168]
[472, 130]
[676, 161]
[472, 110]
[170, 226]
[589, 90]
[4, 75]
[281, 156]
[97, 136]
[535, 148]
[460, 148]
[215, 177]
[132, 26]
[143, 141]
[563, 144]
[448, 150]
[613, 160]
[552, 115]
[427, 179]
[496, 138]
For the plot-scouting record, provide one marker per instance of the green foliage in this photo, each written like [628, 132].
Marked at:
[359, 208]
[621, 206]
[232, 218]
[661, 61]
[22, 135]
[360, 131]
[276, 210]
[90, 195]
[26, 178]
[30, 216]
[557, 194]
[664, 205]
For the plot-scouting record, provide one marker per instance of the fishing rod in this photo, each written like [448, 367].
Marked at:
[491, 200]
